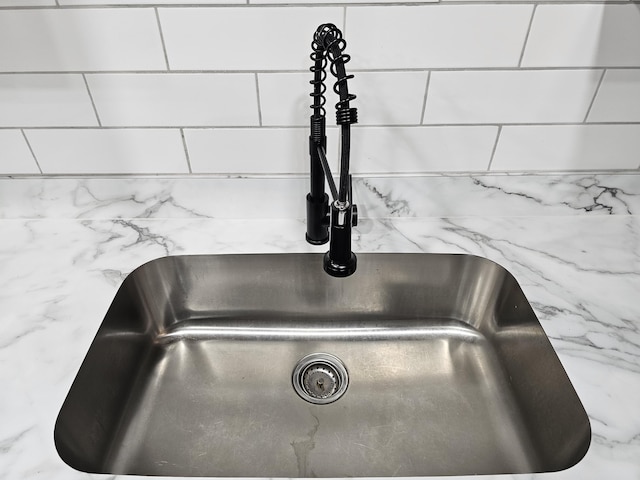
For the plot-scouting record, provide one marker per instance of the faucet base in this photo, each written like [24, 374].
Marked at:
[340, 269]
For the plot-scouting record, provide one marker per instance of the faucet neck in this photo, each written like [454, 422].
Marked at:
[335, 222]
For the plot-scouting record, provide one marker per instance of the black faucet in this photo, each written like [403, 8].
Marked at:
[331, 223]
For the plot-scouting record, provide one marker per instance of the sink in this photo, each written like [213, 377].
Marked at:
[263, 365]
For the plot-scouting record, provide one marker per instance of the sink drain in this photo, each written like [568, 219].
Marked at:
[320, 378]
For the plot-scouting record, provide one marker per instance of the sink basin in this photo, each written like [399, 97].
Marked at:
[263, 365]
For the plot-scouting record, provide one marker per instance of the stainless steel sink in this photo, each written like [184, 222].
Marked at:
[447, 371]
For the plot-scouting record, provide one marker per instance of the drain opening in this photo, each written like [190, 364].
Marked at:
[320, 378]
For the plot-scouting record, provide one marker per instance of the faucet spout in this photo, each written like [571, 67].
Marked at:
[333, 223]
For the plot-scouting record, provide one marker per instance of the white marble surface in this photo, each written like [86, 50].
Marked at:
[573, 243]
[377, 197]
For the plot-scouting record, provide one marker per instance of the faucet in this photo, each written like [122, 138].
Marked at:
[331, 223]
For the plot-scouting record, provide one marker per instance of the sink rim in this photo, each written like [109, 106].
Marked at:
[364, 258]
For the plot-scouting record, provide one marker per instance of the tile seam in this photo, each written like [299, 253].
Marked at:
[424, 100]
[186, 150]
[526, 37]
[595, 95]
[495, 147]
[93, 103]
[162, 42]
[33, 154]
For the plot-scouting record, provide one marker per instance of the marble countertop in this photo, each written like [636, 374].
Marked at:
[572, 242]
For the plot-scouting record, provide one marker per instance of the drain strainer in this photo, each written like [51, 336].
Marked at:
[320, 378]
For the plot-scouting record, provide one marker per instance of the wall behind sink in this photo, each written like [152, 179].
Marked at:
[221, 87]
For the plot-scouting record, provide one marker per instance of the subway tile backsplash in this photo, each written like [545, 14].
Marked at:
[15, 157]
[422, 149]
[259, 151]
[437, 36]
[45, 100]
[511, 96]
[26, 3]
[84, 39]
[618, 98]
[94, 87]
[174, 99]
[107, 151]
[584, 36]
[568, 147]
[242, 38]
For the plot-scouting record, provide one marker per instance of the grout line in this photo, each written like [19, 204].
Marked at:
[164, 127]
[164, 48]
[495, 147]
[336, 3]
[258, 99]
[595, 94]
[303, 70]
[186, 150]
[298, 176]
[35, 159]
[282, 127]
[526, 37]
[424, 100]
[93, 104]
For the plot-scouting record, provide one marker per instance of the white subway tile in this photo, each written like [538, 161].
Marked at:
[235, 38]
[103, 151]
[437, 36]
[151, 2]
[546, 1]
[382, 97]
[529, 96]
[175, 99]
[381, 150]
[267, 2]
[80, 39]
[584, 35]
[15, 157]
[45, 100]
[25, 3]
[568, 147]
[618, 98]
[253, 150]
[507, 1]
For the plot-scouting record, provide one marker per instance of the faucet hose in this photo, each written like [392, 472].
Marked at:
[328, 46]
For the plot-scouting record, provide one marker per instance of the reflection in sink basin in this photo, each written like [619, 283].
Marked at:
[449, 373]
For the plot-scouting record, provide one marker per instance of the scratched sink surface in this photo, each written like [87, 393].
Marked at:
[449, 373]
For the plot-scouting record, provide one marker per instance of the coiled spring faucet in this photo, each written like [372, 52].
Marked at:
[331, 223]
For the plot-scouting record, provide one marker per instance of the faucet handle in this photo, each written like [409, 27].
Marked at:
[317, 219]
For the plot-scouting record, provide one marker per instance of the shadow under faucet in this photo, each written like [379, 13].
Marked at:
[333, 223]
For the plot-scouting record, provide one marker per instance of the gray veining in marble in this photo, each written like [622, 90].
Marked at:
[378, 197]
